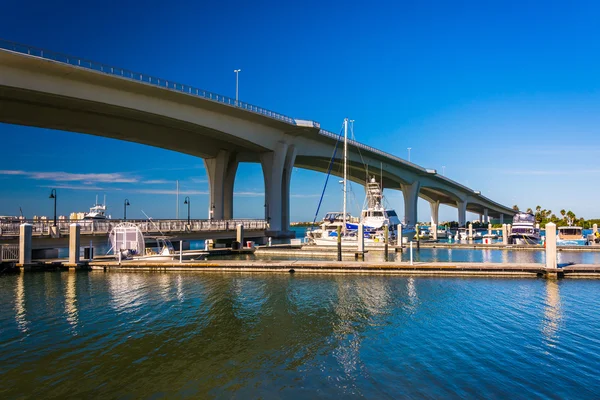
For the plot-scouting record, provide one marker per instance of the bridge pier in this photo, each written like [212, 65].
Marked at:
[485, 216]
[221, 172]
[277, 171]
[435, 212]
[411, 196]
[462, 213]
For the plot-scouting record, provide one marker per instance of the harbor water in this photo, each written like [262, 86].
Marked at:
[242, 335]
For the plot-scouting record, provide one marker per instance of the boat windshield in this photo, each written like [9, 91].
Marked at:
[523, 217]
[570, 230]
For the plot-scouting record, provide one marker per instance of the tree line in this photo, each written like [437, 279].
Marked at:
[543, 216]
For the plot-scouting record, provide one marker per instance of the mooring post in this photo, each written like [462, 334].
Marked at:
[74, 241]
[240, 234]
[399, 239]
[417, 235]
[180, 251]
[504, 234]
[361, 240]
[411, 253]
[551, 270]
[91, 252]
[339, 243]
[25, 232]
[470, 231]
[385, 241]
[490, 229]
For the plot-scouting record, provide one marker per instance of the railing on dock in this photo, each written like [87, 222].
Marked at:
[154, 226]
[9, 252]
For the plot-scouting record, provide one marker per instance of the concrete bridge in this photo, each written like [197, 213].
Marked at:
[50, 90]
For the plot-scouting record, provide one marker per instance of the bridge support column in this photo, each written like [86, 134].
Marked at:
[411, 195]
[462, 213]
[277, 170]
[435, 212]
[501, 219]
[485, 216]
[221, 175]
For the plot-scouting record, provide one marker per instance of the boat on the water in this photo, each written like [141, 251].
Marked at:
[374, 217]
[571, 236]
[97, 212]
[442, 232]
[128, 243]
[523, 229]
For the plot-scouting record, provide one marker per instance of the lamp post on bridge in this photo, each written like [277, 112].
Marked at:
[53, 196]
[409, 153]
[125, 204]
[237, 76]
[187, 201]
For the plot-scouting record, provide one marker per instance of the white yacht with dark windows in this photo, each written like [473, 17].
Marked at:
[523, 229]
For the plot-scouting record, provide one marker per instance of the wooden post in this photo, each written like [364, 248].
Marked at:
[504, 234]
[361, 238]
[551, 251]
[385, 241]
[74, 237]
[26, 231]
[339, 243]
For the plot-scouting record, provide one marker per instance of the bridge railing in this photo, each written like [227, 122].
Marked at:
[136, 76]
[92, 227]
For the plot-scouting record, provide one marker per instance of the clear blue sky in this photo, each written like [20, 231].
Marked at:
[505, 95]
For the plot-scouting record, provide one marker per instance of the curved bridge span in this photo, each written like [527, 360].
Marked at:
[51, 90]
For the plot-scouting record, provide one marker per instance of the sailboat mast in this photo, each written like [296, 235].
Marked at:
[345, 167]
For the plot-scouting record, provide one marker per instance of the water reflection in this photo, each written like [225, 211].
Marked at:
[126, 291]
[552, 313]
[413, 298]
[71, 302]
[20, 313]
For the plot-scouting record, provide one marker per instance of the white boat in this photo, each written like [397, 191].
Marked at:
[128, 243]
[571, 236]
[523, 229]
[374, 217]
[442, 232]
[98, 211]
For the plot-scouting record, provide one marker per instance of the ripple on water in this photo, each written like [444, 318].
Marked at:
[254, 335]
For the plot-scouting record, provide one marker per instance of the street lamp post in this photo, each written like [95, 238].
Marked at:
[187, 201]
[53, 196]
[237, 76]
[125, 204]
[409, 153]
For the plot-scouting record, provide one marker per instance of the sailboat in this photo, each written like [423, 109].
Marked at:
[374, 216]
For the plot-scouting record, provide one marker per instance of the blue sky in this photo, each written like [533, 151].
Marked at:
[505, 95]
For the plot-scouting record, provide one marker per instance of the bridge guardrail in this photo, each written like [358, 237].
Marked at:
[91, 227]
[137, 76]
[9, 252]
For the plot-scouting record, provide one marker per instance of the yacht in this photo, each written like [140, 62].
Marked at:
[571, 236]
[523, 229]
[98, 211]
[442, 232]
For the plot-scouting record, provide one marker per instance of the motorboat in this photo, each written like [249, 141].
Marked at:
[571, 236]
[374, 217]
[442, 232]
[128, 243]
[97, 212]
[524, 230]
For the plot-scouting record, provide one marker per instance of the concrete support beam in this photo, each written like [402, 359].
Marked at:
[411, 196]
[221, 172]
[462, 213]
[435, 212]
[501, 218]
[25, 233]
[277, 168]
[74, 243]
[485, 216]
[290, 159]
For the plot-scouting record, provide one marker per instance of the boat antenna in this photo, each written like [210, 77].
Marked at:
[156, 226]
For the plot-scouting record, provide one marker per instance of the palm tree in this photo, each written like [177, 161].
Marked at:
[529, 211]
[516, 207]
[563, 213]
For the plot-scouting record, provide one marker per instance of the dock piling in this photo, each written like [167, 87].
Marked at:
[240, 234]
[339, 243]
[504, 234]
[26, 231]
[386, 240]
[411, 252]
[551, 266]
[74, 243]
[361, 238]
